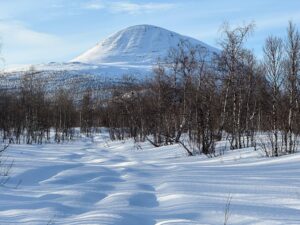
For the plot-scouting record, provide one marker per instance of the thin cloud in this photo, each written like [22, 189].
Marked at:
[95, 5]
[15, 31]
[277, 20]
[134, 8]
[127, 7]
[21, 44]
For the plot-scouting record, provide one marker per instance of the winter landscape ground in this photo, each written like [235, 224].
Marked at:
[146, 112]
[97, 181]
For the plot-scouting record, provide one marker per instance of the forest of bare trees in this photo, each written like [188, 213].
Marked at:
[193, 99]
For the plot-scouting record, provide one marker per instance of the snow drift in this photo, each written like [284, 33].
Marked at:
[115, 183]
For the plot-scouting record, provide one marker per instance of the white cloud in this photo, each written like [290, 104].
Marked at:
[95, 5]
[277, 20]
[18, 33]
[20, 44]
[127, 6]
[134, 8]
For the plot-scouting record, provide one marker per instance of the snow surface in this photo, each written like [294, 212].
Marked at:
[102, 182]
[85, 68]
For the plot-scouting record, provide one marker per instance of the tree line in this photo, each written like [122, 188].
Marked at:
[194, 98]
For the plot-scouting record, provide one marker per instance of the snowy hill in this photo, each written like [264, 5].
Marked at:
[141, 44]
[133, 50]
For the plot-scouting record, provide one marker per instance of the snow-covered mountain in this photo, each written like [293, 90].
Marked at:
[134, 48]
[131, 51]
[141, 44]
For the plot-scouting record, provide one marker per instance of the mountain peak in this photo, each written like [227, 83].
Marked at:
[139, 44]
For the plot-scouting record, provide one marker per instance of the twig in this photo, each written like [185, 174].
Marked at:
[227, 209]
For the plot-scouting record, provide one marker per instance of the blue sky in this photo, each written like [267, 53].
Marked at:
[40, 31]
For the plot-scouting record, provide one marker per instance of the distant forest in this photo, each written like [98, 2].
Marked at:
[193, 99]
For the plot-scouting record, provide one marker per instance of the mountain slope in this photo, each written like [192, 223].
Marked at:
[141, 44]
[131, 51]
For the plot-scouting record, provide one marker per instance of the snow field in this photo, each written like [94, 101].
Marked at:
[104, 182]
